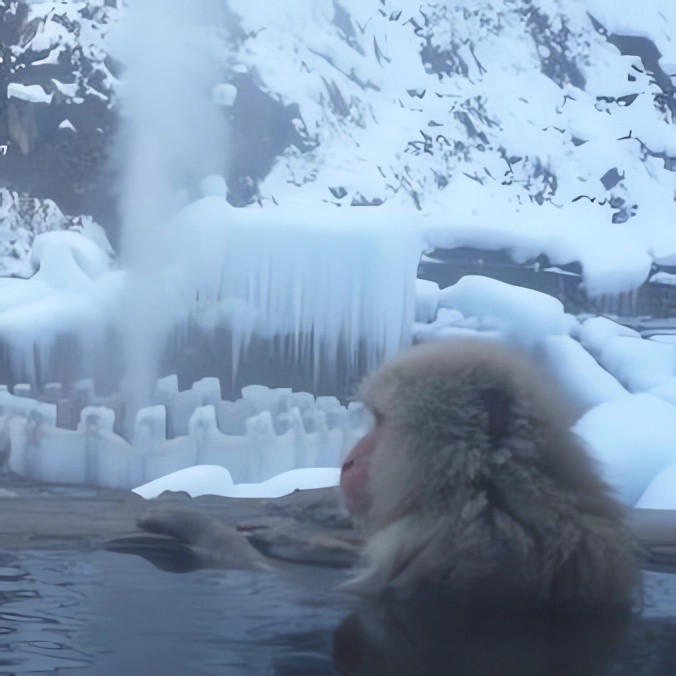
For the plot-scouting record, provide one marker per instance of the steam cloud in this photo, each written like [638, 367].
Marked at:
[172, 135]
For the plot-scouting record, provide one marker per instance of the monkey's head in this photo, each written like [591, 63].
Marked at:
[472, 480]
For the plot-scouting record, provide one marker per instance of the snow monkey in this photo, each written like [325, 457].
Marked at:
[470, 483]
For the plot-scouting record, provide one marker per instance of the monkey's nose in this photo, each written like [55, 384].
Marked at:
[346, 465]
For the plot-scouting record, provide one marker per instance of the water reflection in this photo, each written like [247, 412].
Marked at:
[106, 613]
[390, 640]
[430, 636]
[38, 614]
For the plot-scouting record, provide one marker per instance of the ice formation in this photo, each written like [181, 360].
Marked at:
[312, 289]
[269, 432]
[338, 283]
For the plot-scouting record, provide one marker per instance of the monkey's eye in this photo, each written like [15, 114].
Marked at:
[378, 417]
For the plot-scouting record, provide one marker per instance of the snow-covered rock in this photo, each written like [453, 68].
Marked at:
[633, 440]
[209, 480]
[661, 493]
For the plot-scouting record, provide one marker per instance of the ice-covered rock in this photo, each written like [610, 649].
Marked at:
[208, 391]
[255, 448]
[150, 426]
[92, 456]
[97, 418]
[22, 405]
[426, 300]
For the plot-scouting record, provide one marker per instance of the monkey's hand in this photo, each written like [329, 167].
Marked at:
[214, 544]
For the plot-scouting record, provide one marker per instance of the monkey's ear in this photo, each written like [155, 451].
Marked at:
[498, 405]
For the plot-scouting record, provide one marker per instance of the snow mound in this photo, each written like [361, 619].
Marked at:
[525, 315]
[584, 382]
[633, 439]
[661, 493]
[214, 480]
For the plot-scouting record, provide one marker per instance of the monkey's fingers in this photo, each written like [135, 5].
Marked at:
[213, 544]
[185, 525]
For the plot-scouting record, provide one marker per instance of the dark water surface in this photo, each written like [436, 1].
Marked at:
[74, 612]
[105, 613]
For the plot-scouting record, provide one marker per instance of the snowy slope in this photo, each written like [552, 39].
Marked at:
[517, 124]
[521, 127]
[56, 107]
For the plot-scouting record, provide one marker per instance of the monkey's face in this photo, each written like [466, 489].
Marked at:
[355, 472]
[354, 475]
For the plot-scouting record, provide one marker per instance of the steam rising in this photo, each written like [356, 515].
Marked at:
[172, 136]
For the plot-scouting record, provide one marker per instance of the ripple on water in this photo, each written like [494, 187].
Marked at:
[106, 613]
[36, 624]
[119, 614]
[659, 596]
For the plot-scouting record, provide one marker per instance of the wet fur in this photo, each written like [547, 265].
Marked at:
[478, 486]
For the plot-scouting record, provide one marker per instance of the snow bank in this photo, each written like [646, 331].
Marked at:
[661, 493]
[584, 382]
[525, 315]
[212, 480]
[612, 259]
[633, 438]
[596, 332]
[639, 364]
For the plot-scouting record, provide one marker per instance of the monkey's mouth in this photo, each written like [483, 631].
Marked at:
[354, 483]
[354, 464]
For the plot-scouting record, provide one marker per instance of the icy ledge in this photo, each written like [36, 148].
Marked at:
[265, 434]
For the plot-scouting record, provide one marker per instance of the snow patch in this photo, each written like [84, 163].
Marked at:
[31, 93]
[213, 480]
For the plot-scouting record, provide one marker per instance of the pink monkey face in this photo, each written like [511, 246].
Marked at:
[355, 473]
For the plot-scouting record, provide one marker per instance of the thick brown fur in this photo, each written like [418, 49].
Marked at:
[479, 487]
